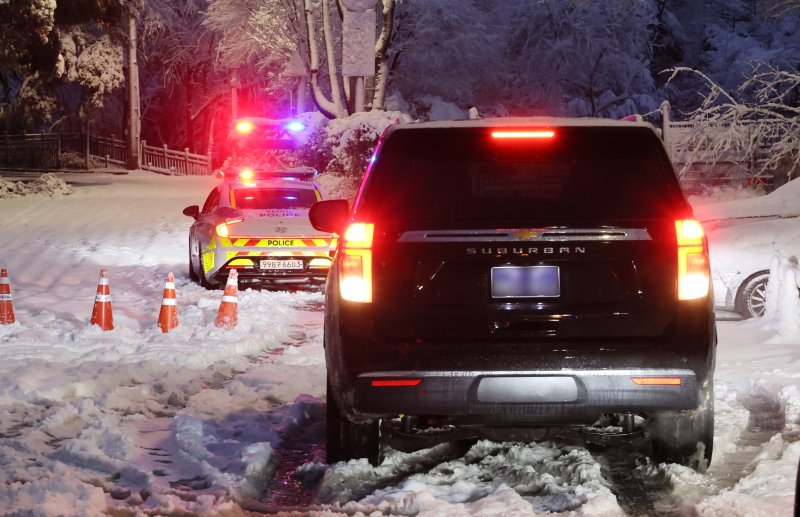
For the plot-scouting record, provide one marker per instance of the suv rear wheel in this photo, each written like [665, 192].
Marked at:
[347, 440]
[677, 436]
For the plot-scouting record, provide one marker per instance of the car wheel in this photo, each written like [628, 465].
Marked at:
[347, 440]
[752, 299]
[204, 282]
[192, 271]
[685, 437]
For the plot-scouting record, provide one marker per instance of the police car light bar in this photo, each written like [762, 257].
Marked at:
[250, 174]
[295, 126]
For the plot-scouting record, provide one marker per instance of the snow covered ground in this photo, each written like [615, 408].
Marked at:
[203, 421]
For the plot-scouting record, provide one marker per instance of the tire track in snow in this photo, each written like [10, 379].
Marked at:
[302, 440]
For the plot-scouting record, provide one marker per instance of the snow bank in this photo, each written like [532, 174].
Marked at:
[45, 185]
[782, 310]
[782, 203]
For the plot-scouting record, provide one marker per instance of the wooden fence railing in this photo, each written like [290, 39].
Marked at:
[165, 160]
[44, 150]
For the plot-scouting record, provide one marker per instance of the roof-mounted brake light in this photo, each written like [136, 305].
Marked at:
[538, 133]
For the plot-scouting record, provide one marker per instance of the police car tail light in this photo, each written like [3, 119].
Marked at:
[223, 229]
[694, 274]
[319, 263]
[355, 277]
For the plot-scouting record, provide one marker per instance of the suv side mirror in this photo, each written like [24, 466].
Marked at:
[330, 215]
[192, 211]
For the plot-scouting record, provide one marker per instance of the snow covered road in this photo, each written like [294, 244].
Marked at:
[203, 421]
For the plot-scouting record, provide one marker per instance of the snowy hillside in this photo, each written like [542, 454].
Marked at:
[202, 421]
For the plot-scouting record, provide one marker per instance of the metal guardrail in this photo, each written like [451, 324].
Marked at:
[44, 150]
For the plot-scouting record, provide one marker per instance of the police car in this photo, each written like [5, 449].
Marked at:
[256, 221]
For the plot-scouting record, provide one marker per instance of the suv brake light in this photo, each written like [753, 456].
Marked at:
[541, 133]
[355, 277]
[694, 274]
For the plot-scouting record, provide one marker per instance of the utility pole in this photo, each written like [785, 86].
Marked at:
[358, 46]
[134, 111]
[234, 94]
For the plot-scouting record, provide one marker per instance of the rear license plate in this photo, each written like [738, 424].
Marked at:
[281, 264]
[526, 282]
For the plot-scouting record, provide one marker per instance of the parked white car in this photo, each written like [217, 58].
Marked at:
[743, 237]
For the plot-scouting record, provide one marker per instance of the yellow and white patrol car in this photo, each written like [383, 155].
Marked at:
[256, 221]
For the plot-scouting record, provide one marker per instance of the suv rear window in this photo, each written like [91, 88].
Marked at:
[268, 198]
[456, 174]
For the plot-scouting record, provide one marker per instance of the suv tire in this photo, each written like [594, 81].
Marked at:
[676, 435]
[346, 440]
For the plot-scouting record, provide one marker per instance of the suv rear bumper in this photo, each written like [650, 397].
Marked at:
[524, 397]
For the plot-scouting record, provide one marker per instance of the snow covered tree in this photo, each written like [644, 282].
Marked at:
[178, 74]
[267, 34]
[24, 30]
[70, 47]
[590, 58]
[569, 57]
[91, 60]
[761, 119]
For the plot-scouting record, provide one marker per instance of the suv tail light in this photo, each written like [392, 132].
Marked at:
[223, 230]
[355, 276]
[694, 275]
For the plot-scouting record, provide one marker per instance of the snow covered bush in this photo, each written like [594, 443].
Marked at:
[313, 152]
[352, 140]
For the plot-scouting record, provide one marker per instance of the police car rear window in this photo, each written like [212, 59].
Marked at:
[271, 198]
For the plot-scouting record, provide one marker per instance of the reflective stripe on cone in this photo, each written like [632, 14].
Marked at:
[228, 315]
[6, 307]
[168, 315]
[101, 312]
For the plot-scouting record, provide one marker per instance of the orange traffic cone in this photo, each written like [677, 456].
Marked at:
[101, 313]
[6, 308]
[168, 316]
[228, 316]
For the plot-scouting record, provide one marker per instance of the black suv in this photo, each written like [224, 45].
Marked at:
[513, 278]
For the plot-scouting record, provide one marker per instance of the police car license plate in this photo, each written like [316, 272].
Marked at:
[526, 282]
[282, 264]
